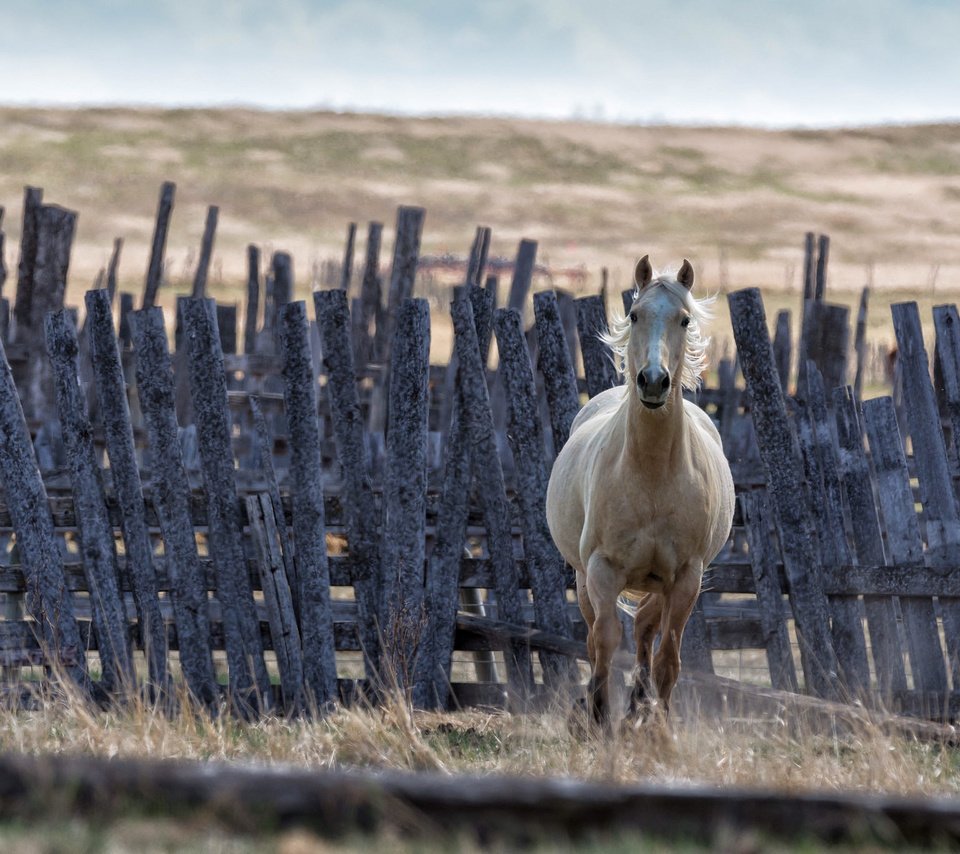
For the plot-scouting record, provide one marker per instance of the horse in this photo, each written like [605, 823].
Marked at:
[640, 499]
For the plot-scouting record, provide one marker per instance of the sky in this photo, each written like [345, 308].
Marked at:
[765, 63]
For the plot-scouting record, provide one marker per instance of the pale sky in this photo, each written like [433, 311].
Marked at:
[773, 63]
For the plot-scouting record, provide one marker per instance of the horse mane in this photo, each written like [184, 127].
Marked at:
[695, 358]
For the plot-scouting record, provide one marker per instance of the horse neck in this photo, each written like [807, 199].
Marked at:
[654, 438]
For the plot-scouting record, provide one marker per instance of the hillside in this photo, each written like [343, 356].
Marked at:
[735, 201]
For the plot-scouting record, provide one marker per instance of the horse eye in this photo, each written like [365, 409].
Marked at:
[685, 322]
[633, 317]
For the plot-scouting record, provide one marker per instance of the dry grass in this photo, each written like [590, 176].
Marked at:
[858, 755]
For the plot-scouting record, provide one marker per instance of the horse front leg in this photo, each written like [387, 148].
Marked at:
[604, 584]
[678, 605]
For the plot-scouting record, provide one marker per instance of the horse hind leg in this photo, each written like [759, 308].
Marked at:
[678, 606]
[646, 623]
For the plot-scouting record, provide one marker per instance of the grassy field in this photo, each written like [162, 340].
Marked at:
[736, 201]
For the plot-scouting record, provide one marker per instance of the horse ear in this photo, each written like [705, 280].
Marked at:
[644, 272]
[685, 276]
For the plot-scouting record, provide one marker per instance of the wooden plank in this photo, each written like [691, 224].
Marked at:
[47, 600]
[359, 510]
[488, 475]
[346, 268]
[785, 478]
[253, 300]
[904, 545]
[783, 675]
[553, 361]
[264, 457]
[171, 501]
[300, 398]
[598, 367]
[868, 542]
[860, 342]
[523, 267]
[96, 533]
[443, 575]
[823, 255]
[544, 563]
[158, 244]
[370, 295]
[782, 347]
[26, 265]
[477, 259]
[402, 547]
[826, 503]
[278, 600]
[941, 518]
[249, 679]
[403, 272]
[113, 267]
[206, 253]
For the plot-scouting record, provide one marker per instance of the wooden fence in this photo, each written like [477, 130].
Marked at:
[336, 514]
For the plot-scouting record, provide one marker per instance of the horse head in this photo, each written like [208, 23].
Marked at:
[660, 317]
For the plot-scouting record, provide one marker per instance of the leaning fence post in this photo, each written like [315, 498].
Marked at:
[868, 542]
[206, 253]
[598, 367]
[785, 478]
[522, 280]
[253, 300]
[402, 549]
[249, 681]
[559, 379]
[93, 523]
[488, 474]
[171, 497]
[125, 474]
[403, 273]
[545, 565]
[310, 545]
[904, 542]
[155, 267]
[48, 600]
[334, 321]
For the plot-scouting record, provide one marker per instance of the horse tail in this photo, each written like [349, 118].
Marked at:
[629, 603]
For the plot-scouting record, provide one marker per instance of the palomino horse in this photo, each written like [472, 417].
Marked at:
[641, 498]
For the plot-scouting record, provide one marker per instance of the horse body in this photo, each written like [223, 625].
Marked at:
[641, 498]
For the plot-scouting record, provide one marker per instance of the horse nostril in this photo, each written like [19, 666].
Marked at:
[665, 383]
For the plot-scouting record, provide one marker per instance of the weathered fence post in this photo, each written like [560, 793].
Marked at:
[48, 600]
[158, 245]
[125, 474]
[277, 598]
[904, 544]
[826, 505]
[346, 270]
[559, 379]
[206, 253]
[544, 563]
[171, 495]
[253, 300]
[490, 487]
[523, 269]
[370, 297]
[868, 542]
[403, 273]
[300, 398]
[402, 548]
[113, 267]
[359, 506]
[96, 533]
[598, 367]
[783, 674]
[249, 681]
[785, 478]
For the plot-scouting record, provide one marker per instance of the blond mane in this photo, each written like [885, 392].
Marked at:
[695, 357]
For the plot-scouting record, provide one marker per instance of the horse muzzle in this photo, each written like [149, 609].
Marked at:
[654, 387]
